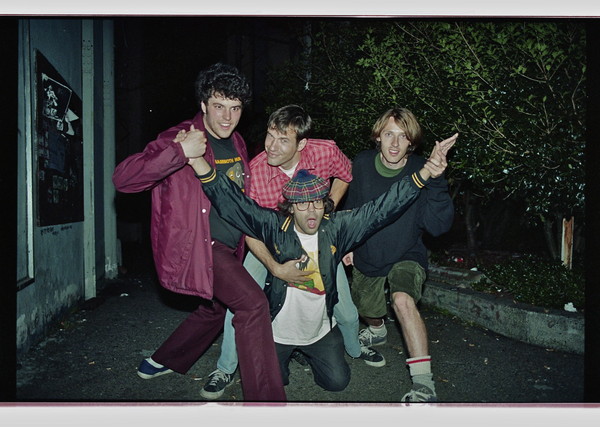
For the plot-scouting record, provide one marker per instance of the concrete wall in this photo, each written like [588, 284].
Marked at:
[58, 265]
[549, 328]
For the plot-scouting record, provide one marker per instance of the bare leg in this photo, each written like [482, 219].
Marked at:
[415, 336]
[411, 323]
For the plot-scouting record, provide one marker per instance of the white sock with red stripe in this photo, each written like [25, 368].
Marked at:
[420, 371]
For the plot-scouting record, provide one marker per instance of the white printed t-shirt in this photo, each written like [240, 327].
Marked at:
[303, 318]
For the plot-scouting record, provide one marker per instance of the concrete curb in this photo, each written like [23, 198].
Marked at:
[450, 290]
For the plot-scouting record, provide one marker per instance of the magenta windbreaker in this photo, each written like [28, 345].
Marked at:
[179, 228]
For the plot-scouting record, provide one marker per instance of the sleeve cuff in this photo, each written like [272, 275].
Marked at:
[418, 180]
[208, 177]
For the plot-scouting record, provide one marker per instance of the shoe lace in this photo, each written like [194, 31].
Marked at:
[422, 394]
[366, 334]
[217, 376]
[367, 351]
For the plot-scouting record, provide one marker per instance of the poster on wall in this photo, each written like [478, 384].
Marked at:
[59, 140]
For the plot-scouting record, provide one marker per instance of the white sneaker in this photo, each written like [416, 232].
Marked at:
[368, 339]
[419, 393]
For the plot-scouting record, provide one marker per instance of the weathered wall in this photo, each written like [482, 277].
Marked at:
[58, 265]
[57, 249]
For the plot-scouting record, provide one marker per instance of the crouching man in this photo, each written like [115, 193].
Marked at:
[306, 228]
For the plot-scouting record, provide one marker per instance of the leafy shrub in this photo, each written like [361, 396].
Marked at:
[533, 280]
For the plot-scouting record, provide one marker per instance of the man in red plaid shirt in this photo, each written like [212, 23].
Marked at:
[288, 150]
[269, 169]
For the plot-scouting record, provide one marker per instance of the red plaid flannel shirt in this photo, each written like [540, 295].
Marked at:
[320, 157]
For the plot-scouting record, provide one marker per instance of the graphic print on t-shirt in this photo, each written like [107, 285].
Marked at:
[315, 283]
[235, 172]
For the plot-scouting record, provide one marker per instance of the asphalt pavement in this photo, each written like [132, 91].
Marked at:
[92, 356]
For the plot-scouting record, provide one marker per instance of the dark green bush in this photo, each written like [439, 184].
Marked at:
[533, 280]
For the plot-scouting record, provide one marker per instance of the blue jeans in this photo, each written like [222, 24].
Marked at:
[344, 311]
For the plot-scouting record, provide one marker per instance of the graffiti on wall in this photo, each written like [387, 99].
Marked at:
[59, 148]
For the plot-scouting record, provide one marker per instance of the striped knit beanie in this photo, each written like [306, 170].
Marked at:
[305, 187]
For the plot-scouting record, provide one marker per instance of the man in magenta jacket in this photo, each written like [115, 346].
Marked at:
[195, 251]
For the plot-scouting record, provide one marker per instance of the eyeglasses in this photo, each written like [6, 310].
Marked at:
[317, 204]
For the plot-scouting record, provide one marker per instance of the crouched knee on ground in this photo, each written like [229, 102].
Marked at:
[335, 376]
[337, 382]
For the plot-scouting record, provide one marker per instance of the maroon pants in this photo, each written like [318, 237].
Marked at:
[234, 288]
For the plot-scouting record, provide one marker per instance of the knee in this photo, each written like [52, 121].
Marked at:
[251, 306]
[334, 375]
[258, 310]
[338, 381]
[254, 301]
[345, 313]
[403, 302]
[341, 384]
[259, 303]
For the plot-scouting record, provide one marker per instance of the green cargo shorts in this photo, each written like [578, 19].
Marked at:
[368, 293]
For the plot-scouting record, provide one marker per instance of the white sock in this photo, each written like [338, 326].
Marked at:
[380, 331]
[420, 371]
[153, 363]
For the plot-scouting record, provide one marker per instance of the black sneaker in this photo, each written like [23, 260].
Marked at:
[215, 386]
[298, 357]
[371, 357]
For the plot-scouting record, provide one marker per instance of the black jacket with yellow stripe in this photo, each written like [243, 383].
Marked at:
[339, 232]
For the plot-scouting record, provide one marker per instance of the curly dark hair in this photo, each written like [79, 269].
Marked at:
[225, 80]
[285, 207]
